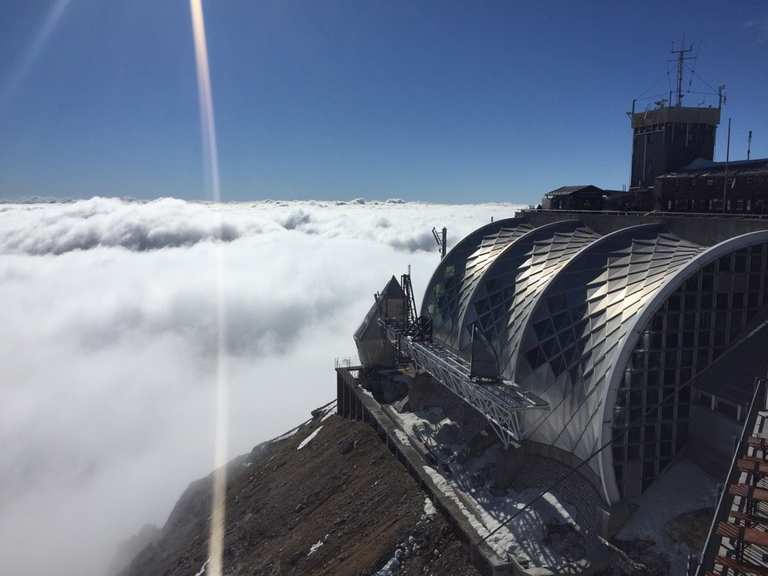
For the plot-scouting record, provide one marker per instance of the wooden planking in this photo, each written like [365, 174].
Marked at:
[752, 465]
[741, 567]
[750, 492]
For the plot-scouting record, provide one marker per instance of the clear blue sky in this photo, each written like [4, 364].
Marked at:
[440, 101]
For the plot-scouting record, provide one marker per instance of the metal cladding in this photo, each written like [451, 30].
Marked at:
[460, 269]
[608, 329]
[373, 347]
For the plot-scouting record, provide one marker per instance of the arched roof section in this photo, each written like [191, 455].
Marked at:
[635, 327]
[502, 299]
[456, 275]
[578, 325]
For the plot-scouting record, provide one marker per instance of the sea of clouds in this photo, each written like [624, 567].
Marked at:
[109, 346]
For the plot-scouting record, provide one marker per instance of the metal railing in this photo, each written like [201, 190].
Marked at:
[499, 403]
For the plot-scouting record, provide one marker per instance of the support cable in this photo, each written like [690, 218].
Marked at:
[570, 473]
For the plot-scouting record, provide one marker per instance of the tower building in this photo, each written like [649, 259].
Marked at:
[671, 136]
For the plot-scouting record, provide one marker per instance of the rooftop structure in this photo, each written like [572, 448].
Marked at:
[703, 186]
[671, 135]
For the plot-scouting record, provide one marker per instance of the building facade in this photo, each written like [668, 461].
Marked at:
[612, 322]
[668, 138]
[702, 186]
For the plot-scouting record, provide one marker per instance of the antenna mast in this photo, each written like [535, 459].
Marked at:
[441, 240]
[681, 58]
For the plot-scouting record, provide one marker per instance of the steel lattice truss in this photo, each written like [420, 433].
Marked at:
[499, 403]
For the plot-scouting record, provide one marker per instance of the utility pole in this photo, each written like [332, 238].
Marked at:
[727, 159]
[681, 58]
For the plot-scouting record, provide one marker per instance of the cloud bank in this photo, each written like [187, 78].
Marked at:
[108, 347]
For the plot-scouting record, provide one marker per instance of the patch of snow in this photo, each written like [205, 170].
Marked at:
[429, 508]
[328, 414]
[531, 537]
[203, 568]
[522, 538]
[502, 541]
[402, 437]
[309, 438]
[559, 508]
[405, 549]
[391, 568]
[317, 545]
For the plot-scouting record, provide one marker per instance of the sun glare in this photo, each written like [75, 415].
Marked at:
[210, 156]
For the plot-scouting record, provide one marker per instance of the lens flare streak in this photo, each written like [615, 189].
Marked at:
[10, 84]
[211, 161]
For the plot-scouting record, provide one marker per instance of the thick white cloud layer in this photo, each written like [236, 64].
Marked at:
[108, 347]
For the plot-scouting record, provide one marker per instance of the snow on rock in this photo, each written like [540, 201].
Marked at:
[404, 550]
[429, 508]
[309, 438]
[545, 533]
[392, 566]
[523, 537]
[328, 414]
[402, 437]
[317, 545]
[203, 568]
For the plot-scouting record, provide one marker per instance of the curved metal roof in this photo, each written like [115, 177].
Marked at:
[479, 262]
[579, 324]
[460, 269]
[501, 301]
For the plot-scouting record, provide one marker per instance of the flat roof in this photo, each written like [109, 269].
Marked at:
[682, 114]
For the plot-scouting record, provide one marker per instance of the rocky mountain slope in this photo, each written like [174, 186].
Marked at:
[328, 500]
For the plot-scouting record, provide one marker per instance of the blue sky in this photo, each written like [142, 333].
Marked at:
[439, 101]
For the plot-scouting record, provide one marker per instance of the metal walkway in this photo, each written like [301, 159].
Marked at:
[499, 402]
